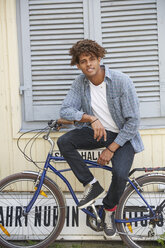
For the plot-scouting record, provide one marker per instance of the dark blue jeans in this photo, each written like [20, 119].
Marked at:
[121, 161]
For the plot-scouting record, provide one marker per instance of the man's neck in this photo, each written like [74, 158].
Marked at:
[98, 78]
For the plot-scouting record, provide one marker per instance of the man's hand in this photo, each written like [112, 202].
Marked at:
[99, 130]
[108, 154]
[105, 157]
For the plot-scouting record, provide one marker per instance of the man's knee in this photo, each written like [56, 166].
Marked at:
[120, 175]
[64, 143]
[61, 142]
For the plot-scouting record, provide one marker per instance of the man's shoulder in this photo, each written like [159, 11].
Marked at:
[119, 79]
[116, 74]
[80, 78]
[79, 81]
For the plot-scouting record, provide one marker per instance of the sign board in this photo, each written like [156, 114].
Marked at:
[92, 155]
[75, 227]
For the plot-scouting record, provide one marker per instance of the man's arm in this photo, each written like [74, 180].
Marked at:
[71, 106]
[130, 112]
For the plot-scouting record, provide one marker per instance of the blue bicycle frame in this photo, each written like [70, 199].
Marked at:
[91, 165]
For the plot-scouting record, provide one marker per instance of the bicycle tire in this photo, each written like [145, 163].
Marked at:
[45, 220]
[134, 234]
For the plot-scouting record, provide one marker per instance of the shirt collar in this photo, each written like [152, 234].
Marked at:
[107, 73]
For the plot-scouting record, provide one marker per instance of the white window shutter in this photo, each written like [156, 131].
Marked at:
[130, 36]
[50, 29]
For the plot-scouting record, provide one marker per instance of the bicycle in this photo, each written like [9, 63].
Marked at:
[29, 198]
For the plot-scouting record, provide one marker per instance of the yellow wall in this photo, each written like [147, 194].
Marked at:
[10, 112]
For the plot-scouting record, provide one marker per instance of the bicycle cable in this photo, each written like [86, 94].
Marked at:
[33, 139]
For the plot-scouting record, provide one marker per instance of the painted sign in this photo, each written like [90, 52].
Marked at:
[86, 154]
[76, 226]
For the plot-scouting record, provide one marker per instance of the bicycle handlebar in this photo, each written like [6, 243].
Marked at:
[59, 122]
[57, 125]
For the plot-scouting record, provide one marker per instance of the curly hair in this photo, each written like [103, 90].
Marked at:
[85, 47]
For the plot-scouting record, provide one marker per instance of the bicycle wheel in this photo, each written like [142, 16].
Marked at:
[134, 235]
[41, 226]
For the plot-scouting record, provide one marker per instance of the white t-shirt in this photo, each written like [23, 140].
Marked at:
[100, 106]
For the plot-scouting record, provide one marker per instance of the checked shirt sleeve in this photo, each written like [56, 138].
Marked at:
[130, 112]
[71, 106]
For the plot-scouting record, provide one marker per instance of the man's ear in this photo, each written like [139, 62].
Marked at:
[78, 66]
[99, 59]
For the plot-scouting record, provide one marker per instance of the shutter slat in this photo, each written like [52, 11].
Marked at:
[141, 53]
[50, 83]
[134, 44]
[55, 47]
[51, 88]
[54, 68]
[56, 17]
[53, 57]
[138, 49]
[58, 36]
[128, 8]
[133, 33]
[130, 18]
[125, 3]
[149, 79]
[53, 33]
[130, 59]
[127, 70]
[49, 52]
[45, 63]
[128, 13]
[55, 11]
[56, 77]
[47, 42]
[132, 23]
[49, 93]
[49, 72]
[37, 28]
[56, 21]
[47, 7]
[46, 2]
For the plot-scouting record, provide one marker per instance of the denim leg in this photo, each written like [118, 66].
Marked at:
[68, 145]
[80, 139]
[121, 165]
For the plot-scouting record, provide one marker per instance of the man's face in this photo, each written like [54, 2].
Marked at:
[89, 64]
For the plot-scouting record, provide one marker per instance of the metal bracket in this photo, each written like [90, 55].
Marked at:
[22, 88]
[96, 214]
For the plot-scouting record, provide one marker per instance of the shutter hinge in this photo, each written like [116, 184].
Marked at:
[22, 88]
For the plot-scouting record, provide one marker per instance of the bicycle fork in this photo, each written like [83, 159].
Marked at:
[38, 187]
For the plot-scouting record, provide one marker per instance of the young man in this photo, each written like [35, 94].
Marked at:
[104, 101]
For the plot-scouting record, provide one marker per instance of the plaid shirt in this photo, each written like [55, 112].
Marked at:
[122, 102]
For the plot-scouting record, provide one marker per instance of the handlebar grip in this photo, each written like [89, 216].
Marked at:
[58, 123]
[52, 123]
